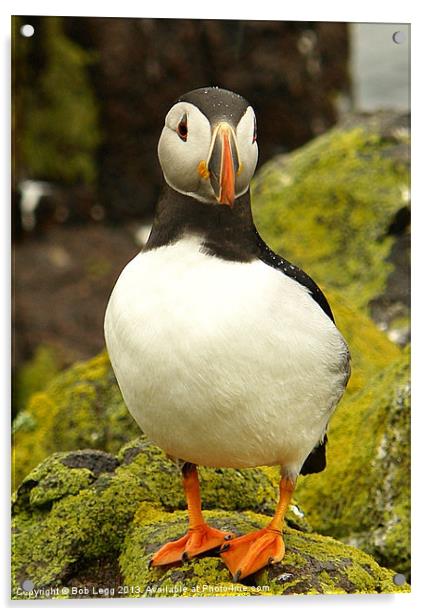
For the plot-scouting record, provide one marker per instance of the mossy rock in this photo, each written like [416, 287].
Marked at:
[363, 496]
[330, 205]
[85, 518]
[76, 507]
[312, 564]
[35, 374]
[81, 408]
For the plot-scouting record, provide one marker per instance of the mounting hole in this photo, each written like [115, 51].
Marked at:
[27, 30]
[27, 585]
[398, 37]
[399, 579]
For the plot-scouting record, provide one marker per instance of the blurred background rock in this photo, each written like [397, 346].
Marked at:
[90, 96]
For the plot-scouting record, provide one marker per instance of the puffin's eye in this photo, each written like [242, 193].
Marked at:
[254, 131]
[182, 128]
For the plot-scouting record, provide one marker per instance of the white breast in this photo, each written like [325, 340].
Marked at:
[223, 363]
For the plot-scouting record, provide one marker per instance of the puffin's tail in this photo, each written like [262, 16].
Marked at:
[316, 460]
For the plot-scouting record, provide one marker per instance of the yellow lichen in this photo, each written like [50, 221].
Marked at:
[312, 563]
[81, 407]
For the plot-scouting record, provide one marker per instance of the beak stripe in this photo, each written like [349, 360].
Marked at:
[227, 175]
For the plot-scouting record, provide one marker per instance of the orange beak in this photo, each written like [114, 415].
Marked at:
[223, 164]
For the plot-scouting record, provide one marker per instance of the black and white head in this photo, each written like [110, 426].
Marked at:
[208, 148]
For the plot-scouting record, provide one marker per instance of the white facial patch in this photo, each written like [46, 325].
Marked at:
[180, 158]
[248, 150]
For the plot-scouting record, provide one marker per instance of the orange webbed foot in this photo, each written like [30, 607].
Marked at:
[247, 554]
[197, 540]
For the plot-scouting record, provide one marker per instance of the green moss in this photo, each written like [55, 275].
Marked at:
[57, 114]
[34, 375]
[50, 481]
[76, 507]
[363, 496]
[78, 512]
[49, 542]
[82, 407]
[327, 207]
[312, 563]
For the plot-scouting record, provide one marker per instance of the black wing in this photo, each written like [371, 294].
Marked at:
[316, 460]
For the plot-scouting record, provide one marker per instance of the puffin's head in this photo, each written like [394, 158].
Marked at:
[208, 148]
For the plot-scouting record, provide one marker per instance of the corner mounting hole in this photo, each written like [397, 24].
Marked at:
[399, 579]
[27, 30]
[398, 37]
[27, 585]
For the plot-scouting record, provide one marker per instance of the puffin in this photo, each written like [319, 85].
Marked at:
[227, 355]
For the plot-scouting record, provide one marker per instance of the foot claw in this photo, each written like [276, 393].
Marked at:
[224, 548]
[236, 577]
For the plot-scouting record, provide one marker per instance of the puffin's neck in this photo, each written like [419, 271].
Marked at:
[229, 233]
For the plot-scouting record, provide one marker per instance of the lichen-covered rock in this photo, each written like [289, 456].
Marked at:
[337, 206]
[312, 563]
[88, 517]
[83, 521]
[363, 496]
[87, 500]
[81, 408]
[34, 375]
[76, 507]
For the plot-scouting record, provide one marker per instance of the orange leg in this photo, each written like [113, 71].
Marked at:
[249, 553]
[200, 537]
